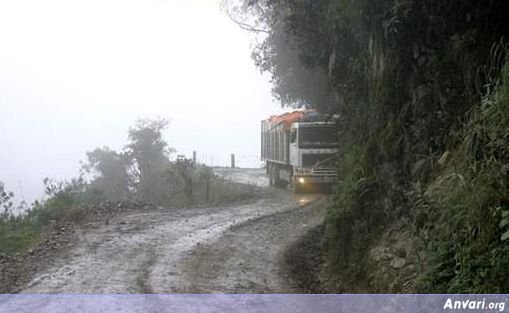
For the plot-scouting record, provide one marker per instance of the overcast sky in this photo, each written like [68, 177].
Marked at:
[75, 75]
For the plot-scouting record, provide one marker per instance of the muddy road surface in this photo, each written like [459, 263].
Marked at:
[231, 249]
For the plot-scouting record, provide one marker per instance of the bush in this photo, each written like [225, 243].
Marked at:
[461, 213]
[19, 232]
[192, 184]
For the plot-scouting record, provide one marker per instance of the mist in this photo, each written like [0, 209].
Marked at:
[76, 75]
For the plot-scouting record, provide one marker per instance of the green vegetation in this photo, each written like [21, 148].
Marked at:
[464, 207]
[421, 88]
[19, 232]
[141, 173]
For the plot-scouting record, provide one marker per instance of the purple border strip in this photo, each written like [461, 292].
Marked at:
[281, 303]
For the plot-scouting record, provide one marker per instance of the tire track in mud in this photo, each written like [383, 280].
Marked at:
[222, 249]
[248, 258]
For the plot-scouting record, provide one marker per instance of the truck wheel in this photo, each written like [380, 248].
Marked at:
[270, 173]
[275, 176]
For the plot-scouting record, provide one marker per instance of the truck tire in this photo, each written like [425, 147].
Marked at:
[274, 179]
[275, 176]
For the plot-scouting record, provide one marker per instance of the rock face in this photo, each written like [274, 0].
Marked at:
[393, 260]
[398, 263]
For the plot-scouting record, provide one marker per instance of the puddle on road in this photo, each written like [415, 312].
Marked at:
[305, 200]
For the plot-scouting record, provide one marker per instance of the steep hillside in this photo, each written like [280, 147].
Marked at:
[422, 91]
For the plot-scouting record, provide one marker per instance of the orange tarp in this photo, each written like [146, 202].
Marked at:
[287, 118]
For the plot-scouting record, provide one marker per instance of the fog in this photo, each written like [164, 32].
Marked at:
[75, 75]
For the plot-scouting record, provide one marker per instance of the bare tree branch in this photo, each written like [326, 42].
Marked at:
[243, 25]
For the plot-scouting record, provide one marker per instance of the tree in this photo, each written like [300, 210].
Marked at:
[148, 157]
[294, 49]
[184, 169]
[5, 200]
[248, 15]
[111, 167]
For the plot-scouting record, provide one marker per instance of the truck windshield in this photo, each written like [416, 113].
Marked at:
[317, 137]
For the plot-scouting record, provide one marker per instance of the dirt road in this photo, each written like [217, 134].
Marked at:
[235, 249]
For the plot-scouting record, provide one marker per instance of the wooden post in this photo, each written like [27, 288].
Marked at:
[207, 188]
[233, 160]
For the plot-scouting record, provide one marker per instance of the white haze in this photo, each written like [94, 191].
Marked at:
[75, 75]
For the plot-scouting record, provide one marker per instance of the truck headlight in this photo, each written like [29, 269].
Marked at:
[301, 180]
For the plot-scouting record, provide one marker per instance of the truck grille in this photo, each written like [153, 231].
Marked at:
[308, 160]
[324, 170]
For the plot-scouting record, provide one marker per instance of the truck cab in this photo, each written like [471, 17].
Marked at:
[313, 150]
[299, 149]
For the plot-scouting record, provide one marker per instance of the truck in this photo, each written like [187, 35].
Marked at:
[299, 149]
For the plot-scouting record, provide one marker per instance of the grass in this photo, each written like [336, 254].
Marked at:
[20, 232]
[17, 234]
[462, 209]
[349, 226]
